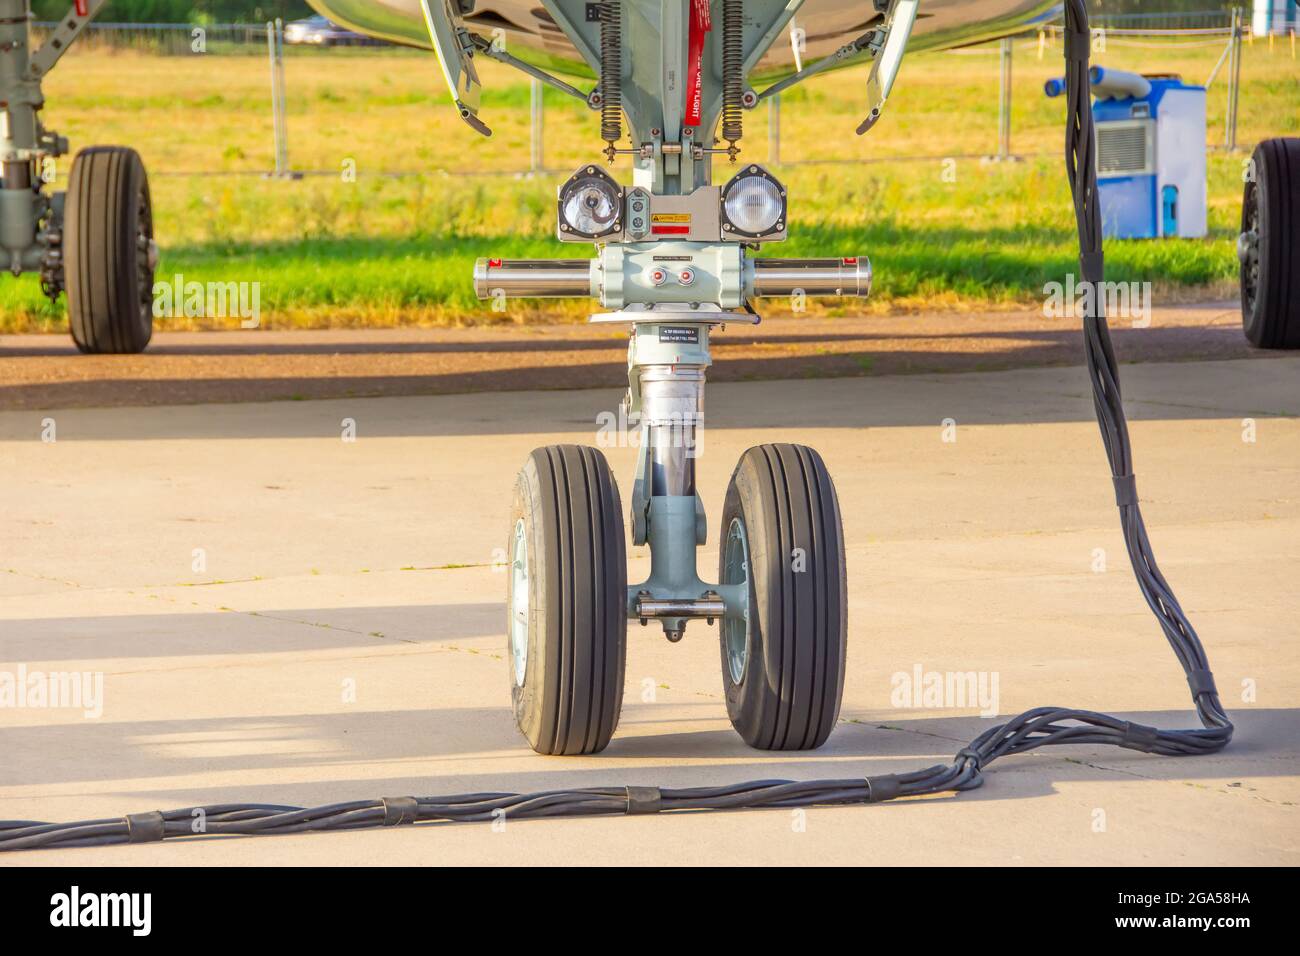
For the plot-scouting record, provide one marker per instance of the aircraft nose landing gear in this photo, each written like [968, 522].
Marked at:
[674, 261]
[780, 600]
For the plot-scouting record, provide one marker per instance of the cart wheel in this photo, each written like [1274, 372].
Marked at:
[109, 251]
[783, 667]
[1269, 246]
[567, 606]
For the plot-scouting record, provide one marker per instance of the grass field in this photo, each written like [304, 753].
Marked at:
[391, 249]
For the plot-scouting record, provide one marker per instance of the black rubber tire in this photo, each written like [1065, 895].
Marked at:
[107, 219]
[572, 690]
[788, 696]
[1270, 280]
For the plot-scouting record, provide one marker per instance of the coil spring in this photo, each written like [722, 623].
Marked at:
[611, 71]
[733, 70]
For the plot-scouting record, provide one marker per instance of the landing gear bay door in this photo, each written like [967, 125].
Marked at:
[884, 69]
[451, 41]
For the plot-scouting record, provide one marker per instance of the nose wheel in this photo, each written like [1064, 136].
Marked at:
[783, 662]
[109, 251]
[1269, 246]
[783, 632]
[567, 602]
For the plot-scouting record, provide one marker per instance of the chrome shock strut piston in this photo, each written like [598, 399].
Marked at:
[667, 360]
[672, 406]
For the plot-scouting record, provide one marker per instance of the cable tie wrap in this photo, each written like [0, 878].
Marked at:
[1201, 682]
[144, 827]
[399, 810]
[1092, 266]
[1078, 44]
[967, 753]
[1139, 737]
[882, 788]
[1126, 490]
[643, 800]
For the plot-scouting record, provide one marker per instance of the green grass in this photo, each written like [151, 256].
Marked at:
[387, 250]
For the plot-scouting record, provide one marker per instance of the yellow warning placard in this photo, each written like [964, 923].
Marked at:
[670, 217]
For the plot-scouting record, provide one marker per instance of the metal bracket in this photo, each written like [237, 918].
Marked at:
[455, 48]
[870, 43]
[884, 69]
[488, 49]
[61, 37]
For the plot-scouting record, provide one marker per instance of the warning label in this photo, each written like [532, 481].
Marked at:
[680, 334]
[671, 217]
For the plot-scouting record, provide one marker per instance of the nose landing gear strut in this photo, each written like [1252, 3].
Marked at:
[780, 598]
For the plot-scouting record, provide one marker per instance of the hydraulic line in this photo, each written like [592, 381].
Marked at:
[611, 74]
[733, 73]
[1040, 727]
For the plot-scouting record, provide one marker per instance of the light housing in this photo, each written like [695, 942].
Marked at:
[589, 206]
[753, 206]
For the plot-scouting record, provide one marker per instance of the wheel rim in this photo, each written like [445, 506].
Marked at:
[1248, 249]
[519, 603]
[146, 257]
[735, 570]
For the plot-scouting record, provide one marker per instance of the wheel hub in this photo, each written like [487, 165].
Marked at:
[519, 603]
[736, 571]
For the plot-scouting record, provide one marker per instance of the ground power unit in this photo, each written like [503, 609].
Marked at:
[1150, 153]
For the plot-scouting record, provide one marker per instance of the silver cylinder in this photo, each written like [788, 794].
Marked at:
[681, 607]
[18, 226]
[849, 276]
[532, 278]
[672, 406]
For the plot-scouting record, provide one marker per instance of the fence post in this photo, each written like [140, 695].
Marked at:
[536, 116]
[1234, 82]
[774, 130]
[1004, 101]
[1227, 50]
[275, 101]
[284, 117]
[280, 129]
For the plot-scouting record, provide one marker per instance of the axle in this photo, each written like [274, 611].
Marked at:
[577, 278]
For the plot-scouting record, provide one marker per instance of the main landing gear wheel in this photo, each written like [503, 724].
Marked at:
[109, 253]
[783, 666]
[1269, 246]
[567, 606]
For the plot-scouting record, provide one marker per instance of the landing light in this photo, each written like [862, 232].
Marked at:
[753, 204]
[590, 205]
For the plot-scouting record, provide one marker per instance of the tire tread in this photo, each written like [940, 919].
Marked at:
[100, 225]
[785, 491]
[586, 585]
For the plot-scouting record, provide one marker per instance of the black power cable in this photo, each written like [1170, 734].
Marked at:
[1035, 728]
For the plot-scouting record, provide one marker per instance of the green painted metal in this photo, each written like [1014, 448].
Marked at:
[673, 572]
[718, 266]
